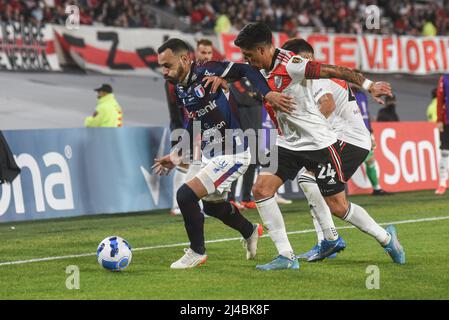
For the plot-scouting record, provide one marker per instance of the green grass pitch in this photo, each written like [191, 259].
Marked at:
[227, 275]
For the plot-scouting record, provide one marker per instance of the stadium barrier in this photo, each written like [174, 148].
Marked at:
[407, 154]
[76, 172]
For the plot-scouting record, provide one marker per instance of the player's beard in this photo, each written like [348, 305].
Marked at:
[175, 79]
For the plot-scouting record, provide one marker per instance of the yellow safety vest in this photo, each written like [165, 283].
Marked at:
[108, 113]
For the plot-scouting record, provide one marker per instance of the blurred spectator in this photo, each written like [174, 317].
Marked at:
[223, 24]
[411, 17]
[108, 112]
[443, 127]
[429, 30]
[204, 50]
[249, 103]
[432, 108]
[388, 113]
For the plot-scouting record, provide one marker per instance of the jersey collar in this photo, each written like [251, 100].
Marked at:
[273, 61]
[188, 78]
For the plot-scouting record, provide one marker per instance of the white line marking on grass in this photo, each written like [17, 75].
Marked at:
[209, 241]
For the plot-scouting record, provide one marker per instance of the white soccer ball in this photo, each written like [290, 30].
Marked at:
[114, 253]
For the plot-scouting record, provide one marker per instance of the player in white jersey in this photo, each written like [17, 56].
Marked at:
[337, 103]
[305, 140]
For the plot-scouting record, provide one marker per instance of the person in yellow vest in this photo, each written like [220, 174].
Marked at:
[432, 108]
[108, 112]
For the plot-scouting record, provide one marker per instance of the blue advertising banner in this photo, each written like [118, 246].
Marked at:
[73, 172]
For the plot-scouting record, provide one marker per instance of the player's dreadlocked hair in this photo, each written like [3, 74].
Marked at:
[298, 46]
[252, 35]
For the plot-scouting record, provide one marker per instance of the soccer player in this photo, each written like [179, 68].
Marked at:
[370, 161]
[225, 162]
[306, 140]
[337, 103]
[203, 52]
[443, 127]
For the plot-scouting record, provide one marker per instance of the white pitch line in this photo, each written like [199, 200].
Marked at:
[208, 241]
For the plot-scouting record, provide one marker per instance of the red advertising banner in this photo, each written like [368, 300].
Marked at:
[370, 53]
[407, 155]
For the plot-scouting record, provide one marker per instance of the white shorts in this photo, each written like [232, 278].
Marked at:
[218, 173]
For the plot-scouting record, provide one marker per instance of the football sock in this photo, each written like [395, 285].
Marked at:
[318, 230]
[371, 172]
[358, 217]
[318, 205]
[230, 216]
[274, 223]
[178, 180]
[193, 218]
[443, 167]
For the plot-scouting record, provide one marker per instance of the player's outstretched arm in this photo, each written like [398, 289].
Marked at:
[279, 101]
[377, 89]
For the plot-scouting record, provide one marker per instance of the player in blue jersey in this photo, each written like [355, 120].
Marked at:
[370, 161]
[225, 154]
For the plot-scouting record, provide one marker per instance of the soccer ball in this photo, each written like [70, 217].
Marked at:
[114, 253]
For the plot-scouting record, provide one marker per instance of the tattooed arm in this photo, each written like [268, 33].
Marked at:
[377, 89]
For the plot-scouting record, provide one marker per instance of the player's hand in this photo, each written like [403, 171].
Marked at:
[216, 82]
[280, 101]
[380, 89]
[440, 126]
[162, 166]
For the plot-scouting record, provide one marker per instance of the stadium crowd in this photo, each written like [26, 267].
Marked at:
[409, 17]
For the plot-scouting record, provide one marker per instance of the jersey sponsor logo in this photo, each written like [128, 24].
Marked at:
[278, 81]
[208, 74]
[199, 91]
[296, 60]
[203, 111]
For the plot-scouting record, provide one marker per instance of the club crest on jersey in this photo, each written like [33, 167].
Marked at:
[278, 81]
[296, 60]
[199, 91]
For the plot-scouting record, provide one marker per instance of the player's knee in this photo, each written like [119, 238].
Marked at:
[338, 207]
[261, 191]
[185, 195]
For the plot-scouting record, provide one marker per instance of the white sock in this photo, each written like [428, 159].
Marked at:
[318, 205]
[274, 223]
[443, 167]
[318, 230]
[358, 217]
[178, 181]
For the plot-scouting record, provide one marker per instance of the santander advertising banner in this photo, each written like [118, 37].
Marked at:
[407, 154]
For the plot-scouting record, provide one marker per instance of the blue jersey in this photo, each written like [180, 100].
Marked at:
[215, 112]
[362, 102]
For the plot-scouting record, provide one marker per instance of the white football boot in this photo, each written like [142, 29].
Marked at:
[190, 259]
[250, 244]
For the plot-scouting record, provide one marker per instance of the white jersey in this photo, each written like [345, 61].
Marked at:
[346, 120]
[306, 128]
